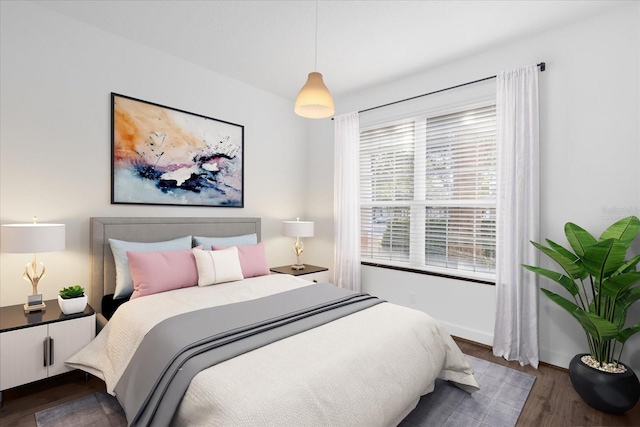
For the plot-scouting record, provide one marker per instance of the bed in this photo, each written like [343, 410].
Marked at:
[368, 368]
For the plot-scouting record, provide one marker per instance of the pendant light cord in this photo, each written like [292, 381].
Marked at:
[315, 61]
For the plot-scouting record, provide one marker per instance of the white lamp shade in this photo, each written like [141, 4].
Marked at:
[32, 238]
[297, 228]
[314, 100]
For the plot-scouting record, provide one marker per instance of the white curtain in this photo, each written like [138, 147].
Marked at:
[516, 327]
[347, 201]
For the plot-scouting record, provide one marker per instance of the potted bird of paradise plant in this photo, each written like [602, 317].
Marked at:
[601, 283]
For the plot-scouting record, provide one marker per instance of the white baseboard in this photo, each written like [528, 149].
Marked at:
[550, 357]
[555, 358]
[475, 335]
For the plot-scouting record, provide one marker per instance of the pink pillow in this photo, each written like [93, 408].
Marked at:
[154, 272]
[253, 259]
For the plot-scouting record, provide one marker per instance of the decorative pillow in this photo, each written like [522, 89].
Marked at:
[217, 267]
[253, 259]
[124, 284]
[245, 239]
[155, 272]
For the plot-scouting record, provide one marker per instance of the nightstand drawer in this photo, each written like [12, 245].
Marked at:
[312, 273]
[22, 356]
[319, 277]
[34, 346]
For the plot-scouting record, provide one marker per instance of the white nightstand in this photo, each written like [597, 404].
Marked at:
[34, 346]
[312, 273]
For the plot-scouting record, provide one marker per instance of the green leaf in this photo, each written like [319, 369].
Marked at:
[625, 334]
[599, 328]
[624, 230]
[619, 316]
[625, 300]
[567, 263]
[560, 278]
[604, 258]
[628, 298]
[561, 301]
[570, 307]
[628, 266]
[615, 285]
[562, 250]
[578, 238]
[74, 291]
[569, 255]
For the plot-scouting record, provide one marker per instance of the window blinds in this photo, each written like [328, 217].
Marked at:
[428, 185]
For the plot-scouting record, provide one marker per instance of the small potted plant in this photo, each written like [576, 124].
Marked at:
[72, 299]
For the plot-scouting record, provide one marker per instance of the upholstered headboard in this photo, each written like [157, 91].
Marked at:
[136, 229]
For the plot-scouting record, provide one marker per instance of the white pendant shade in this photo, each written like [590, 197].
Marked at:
[314, 100]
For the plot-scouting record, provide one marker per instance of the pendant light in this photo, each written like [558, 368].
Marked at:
[314, 100]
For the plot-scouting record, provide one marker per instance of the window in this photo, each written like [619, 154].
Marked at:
[428, 192]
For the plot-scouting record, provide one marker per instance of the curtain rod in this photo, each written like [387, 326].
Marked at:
[541, 65]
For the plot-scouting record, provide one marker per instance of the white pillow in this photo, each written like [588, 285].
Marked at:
[124, 283]
[218, 266]
[245, 239]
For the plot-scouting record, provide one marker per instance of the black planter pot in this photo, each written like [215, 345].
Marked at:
[604, 391]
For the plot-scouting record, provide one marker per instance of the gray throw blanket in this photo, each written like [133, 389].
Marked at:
[176, 349]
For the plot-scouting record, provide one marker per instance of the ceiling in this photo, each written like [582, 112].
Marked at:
[270, 44]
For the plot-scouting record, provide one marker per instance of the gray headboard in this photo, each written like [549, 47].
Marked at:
[136, 229]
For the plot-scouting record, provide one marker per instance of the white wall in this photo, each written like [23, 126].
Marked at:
[56, 76]
[590, 146]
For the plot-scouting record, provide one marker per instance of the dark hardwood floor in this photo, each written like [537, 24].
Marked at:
[552, 401]
[21, 403]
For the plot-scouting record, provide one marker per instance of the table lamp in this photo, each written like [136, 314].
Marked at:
[33, 238]
[298, 229]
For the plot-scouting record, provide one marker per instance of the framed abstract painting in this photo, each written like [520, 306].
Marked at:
[165, 156]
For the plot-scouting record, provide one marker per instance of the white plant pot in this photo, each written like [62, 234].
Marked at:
[72, 305]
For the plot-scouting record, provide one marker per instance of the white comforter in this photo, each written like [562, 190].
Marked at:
[366, 369]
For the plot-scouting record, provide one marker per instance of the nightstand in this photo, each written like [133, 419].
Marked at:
[34, 346]
[312, 273]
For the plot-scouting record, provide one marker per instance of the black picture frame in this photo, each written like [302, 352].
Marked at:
[165, 156]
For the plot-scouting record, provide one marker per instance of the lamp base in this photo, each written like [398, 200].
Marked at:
[29, 308]
[34, 303]
[297, 267]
